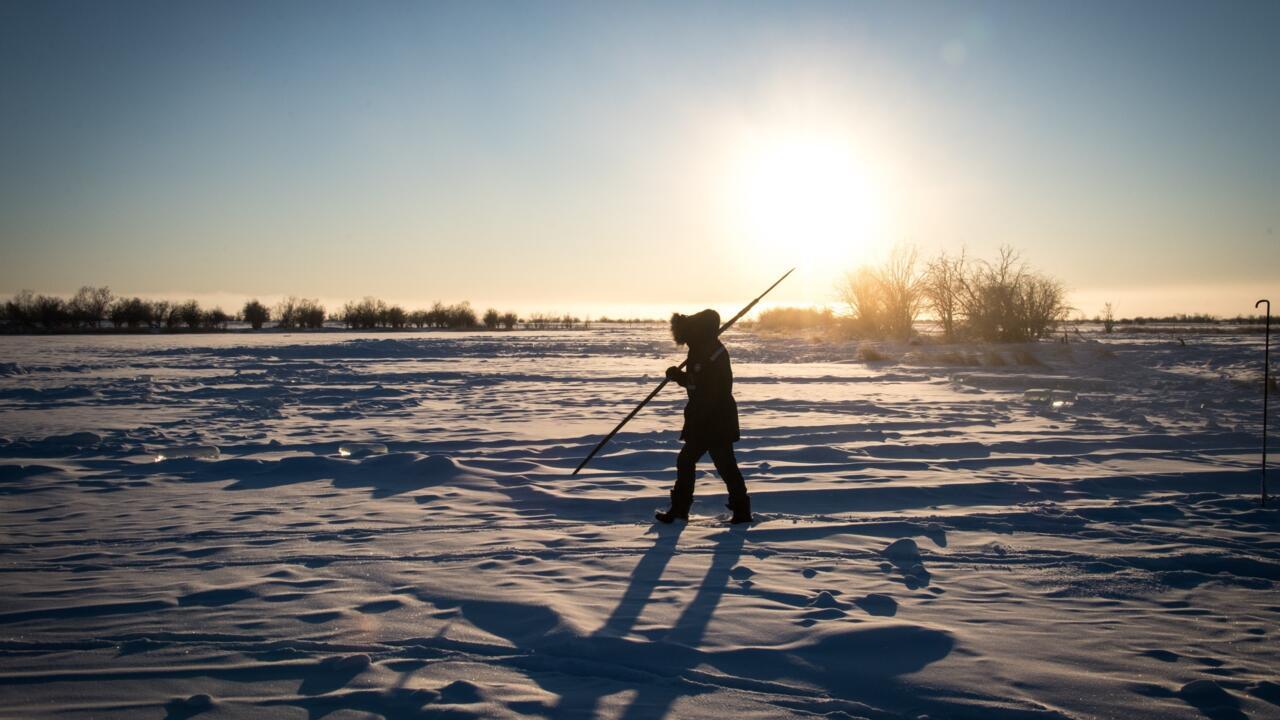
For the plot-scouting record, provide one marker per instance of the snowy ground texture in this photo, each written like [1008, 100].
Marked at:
[932, 540]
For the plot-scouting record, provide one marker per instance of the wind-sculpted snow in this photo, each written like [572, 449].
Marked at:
[933, 539]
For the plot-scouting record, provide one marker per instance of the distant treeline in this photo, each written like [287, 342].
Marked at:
[1000, 300]
[91, 307]
[96, 308]
[1188, 323]
[1194, 319]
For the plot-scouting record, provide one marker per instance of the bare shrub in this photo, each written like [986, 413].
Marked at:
[1005, 301]
[1108, 319]
[363, 314]
[294, 312]
[784, 319]
[310, 314]
[286, 313]
[1026, 357]
[952, 357]
[131, 312]
[460, 316]
[395, 317]
[884, 301]
[492, 319]
[868, 353]
[861, 294]
[214, 319]
[509, 320]
[256, 314]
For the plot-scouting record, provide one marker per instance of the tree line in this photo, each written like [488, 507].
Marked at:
[96, 307]
[372, 313]
[91, 307]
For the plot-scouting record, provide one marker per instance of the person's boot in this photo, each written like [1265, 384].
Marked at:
[679, 510]
[741, 507]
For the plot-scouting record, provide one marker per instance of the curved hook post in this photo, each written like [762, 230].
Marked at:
[1266, 387]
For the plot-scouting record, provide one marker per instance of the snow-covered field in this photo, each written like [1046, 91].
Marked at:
[932, 539]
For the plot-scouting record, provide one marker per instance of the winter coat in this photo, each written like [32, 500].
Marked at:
[711, 415]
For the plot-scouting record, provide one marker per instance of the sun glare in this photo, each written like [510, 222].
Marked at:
[804, 198]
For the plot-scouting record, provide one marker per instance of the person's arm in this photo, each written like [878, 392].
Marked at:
[678, 376]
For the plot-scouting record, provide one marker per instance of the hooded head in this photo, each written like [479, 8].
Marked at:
[697, 329]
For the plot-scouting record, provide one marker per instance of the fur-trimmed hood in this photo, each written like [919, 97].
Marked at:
[699, 329]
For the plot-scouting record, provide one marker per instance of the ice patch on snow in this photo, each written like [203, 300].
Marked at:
[362, 449]
[191, 452]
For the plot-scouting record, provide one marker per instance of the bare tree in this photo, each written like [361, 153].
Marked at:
[438, 315]
[900, 284]
[159, 313]
[20, 309]
[862, 295]
[310, 313]
[396, 317]
[214, 319]
[133, 312]
[256, 314]
[1108, 318]
[1007, 302]
[884, 301]
[50, 311]
[295, 312]
[190, 314]
[941, 287]
[89, 306]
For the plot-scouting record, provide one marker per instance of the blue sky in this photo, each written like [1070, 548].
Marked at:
[585, 155]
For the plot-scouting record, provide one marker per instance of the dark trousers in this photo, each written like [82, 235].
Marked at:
[726, 465]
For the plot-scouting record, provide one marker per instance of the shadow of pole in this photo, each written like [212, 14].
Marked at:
[644, 578]
[654, 701]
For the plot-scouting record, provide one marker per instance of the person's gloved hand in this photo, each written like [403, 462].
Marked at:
[673, 373]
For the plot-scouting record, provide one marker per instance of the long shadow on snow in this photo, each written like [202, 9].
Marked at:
[857, 663]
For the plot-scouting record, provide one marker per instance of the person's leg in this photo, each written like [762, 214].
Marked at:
[727, 465]
[682, 492]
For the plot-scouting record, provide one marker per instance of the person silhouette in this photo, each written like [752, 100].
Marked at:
[710, 416]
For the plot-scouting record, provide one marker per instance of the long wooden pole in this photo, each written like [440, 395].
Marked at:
[664, 382]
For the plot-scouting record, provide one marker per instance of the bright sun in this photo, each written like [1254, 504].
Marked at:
[803, 198]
